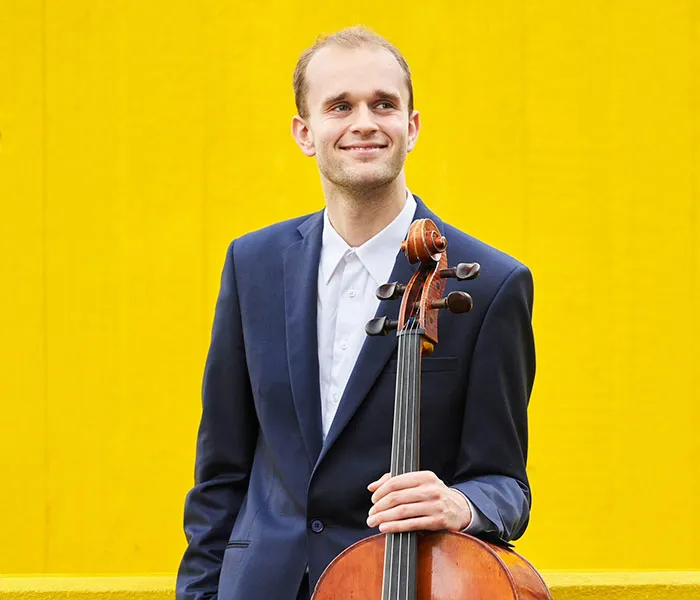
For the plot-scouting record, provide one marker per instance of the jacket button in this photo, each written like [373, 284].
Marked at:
[317, 526]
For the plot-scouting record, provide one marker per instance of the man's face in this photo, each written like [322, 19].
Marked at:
[357, 122]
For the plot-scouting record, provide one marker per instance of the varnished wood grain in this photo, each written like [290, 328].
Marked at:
[451, 566]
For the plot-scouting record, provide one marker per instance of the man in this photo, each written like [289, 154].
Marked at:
[294, 441]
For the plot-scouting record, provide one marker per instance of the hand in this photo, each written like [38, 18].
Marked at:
[416, 501]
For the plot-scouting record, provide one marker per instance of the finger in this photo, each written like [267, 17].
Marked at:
[404, 481]
[376, 484]
[417, 524]
[405, 511]
[407, 496]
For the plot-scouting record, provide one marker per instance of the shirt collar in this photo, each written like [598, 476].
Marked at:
[377, 254]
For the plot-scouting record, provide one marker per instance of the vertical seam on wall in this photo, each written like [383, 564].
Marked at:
[695, 188]
[44, 276]
[525, 133]
[205, 162]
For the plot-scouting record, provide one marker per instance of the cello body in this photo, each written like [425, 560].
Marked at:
[450, 566]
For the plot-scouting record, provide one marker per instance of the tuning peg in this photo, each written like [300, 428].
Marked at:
[380, 326]
[390, 291]
[455, 302]
[462, 271]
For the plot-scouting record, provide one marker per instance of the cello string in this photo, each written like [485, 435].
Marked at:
[390, 550]
[402, 442]
[403, 556]
[409, 442]
[406, 399]
[412, 433]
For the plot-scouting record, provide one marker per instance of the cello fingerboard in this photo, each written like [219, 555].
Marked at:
[401, 548]
[400, 566]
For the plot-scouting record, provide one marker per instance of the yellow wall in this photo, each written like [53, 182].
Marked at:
[137, 138]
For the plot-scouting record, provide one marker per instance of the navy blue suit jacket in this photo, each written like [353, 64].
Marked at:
[270, 496]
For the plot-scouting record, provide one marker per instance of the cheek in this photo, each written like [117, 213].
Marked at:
[400, 132]
[327, 133]
[396, 131]
[325, 144]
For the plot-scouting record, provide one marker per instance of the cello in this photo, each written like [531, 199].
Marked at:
[445, 565]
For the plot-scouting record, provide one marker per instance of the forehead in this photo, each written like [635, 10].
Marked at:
[335, 70]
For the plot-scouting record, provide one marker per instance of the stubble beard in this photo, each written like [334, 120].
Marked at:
[360, 182]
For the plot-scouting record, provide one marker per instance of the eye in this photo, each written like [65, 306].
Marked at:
[385, 105]
[341, 107]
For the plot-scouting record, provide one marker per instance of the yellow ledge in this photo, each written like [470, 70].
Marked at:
[619, 585]
[87, 588]
[671, 585]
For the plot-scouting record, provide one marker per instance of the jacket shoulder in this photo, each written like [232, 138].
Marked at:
[273, 239]
[462, 247]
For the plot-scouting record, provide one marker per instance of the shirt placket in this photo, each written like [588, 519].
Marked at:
[345, 339]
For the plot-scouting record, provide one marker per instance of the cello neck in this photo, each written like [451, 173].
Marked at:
[405, 442]
[401, 548]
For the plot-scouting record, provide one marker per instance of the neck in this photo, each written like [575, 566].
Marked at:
[358, 216]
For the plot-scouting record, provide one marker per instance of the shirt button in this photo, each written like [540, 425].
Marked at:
[344, 344]
[317, 526]
[352, 293]
[335, 397]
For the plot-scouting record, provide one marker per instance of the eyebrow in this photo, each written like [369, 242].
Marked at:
[382, 95]
[333, 99]
[379, 94]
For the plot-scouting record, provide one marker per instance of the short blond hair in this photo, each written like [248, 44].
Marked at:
[358, 36]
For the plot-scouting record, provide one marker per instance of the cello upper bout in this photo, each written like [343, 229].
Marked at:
[456, 566]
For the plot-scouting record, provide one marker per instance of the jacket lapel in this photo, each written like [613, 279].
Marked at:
[301, 261]
[375, 351]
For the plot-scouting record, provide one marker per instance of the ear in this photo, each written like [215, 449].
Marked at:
[302, 136]
[413, 129]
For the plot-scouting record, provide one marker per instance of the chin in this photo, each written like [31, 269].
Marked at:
[370, 175]
[369, 181]
[360, 177]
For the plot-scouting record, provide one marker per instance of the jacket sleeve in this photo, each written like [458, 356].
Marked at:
[225, 446]
[493, 450]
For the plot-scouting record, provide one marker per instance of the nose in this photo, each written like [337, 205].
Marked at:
[364, 122]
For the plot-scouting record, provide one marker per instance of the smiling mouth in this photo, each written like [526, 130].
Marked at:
[361, 149]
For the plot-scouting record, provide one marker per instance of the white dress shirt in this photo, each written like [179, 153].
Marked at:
[347, 282]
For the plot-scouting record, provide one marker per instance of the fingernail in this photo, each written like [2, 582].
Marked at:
[371, 521]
